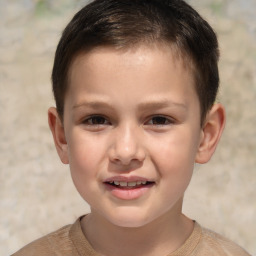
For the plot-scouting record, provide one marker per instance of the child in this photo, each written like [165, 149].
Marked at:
[135, 83]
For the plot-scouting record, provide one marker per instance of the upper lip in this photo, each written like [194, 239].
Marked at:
[126, 179]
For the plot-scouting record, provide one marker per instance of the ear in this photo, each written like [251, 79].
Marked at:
[211, 133]
[58, 134]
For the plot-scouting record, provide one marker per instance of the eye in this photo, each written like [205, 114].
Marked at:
[160, 120]
[96, 120]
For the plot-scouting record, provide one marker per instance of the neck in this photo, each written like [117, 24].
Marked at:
[160, 237]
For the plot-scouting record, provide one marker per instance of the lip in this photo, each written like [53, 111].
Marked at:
[128, 193]
[126, 179]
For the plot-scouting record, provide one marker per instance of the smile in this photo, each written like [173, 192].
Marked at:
[132, 184]
[128, 188]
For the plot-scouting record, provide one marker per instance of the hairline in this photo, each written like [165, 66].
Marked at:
[179, 53]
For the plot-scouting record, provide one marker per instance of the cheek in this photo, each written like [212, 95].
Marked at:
[85, 155]
[85, 161]
[175, 154]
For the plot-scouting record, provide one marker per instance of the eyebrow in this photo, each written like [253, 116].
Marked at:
[93, 104]
[155, 104]
[160, 104]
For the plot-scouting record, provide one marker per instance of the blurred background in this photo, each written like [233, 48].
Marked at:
[36, 192]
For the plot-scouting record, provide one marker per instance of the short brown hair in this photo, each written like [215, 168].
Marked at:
[125, 23]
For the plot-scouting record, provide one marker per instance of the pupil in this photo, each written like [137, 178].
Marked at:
[98, 120]
[159, 120]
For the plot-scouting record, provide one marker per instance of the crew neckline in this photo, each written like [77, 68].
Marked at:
[83, 247]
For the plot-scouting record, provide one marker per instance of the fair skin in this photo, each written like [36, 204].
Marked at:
[131, 135]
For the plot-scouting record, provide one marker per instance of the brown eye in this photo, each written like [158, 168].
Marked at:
[96, 120]
[159, 120]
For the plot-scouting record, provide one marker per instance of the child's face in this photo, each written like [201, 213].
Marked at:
[131, 116]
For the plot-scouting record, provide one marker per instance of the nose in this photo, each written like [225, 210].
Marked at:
[127, 147]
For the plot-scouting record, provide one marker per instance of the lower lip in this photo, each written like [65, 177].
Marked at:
[128, 193]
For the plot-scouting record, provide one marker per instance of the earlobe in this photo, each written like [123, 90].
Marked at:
[58, 134]
[211, 133]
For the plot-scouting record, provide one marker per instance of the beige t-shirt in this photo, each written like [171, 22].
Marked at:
[70, 241]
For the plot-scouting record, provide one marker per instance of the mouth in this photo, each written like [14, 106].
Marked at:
[128, 188]
[130, 184]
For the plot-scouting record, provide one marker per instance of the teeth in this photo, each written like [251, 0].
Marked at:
[132, 184]
[129, 184]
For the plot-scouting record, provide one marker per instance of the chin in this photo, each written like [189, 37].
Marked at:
[129, 219]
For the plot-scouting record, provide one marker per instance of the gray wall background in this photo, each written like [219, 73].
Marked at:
[36, 192]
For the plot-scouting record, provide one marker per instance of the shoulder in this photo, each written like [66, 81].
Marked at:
[55, 243]
[216, 244]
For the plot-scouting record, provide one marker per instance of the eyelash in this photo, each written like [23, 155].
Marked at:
[89, 120]
[167, 120]
[162, 121]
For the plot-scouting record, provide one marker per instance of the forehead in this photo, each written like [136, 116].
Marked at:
[135, 55]
[142, 68]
